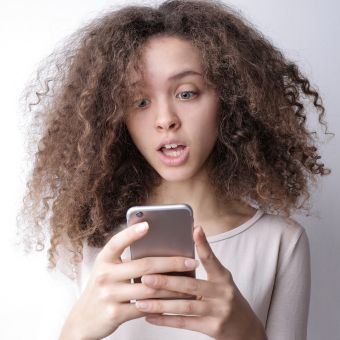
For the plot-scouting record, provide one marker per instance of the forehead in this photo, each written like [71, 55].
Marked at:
[165, 60]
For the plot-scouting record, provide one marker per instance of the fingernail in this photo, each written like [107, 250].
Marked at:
[140, 227]
[148, 280]
[142, 305]
[191, 263]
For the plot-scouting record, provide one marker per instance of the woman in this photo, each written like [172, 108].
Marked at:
[181, 103]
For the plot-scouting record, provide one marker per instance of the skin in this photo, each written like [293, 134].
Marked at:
[184, 109]
[105, 302]
[219, 310]
[164, 108]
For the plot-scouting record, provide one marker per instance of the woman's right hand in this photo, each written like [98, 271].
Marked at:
[105, 303]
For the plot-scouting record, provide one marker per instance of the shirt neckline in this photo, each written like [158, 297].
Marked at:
[235, 231]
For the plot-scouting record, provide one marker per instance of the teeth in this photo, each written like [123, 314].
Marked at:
[170, 146]
[172, 153]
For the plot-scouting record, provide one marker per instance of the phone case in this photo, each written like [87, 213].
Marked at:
[170, 233]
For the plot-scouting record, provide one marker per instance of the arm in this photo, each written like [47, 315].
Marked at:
[288, 313]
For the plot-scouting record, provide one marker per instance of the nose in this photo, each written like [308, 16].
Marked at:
[166, 118]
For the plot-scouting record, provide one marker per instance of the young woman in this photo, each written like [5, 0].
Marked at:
[180, 103]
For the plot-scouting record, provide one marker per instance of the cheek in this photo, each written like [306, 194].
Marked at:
[136, 130]
[210, 111]
[209, 125]
[204, 133]
[140, 134]
[209, 131]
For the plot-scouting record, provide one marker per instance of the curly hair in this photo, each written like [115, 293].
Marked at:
[87, 171]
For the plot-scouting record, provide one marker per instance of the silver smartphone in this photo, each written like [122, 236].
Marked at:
[170, 233]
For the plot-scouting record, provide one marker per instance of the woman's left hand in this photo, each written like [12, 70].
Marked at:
[220, 311]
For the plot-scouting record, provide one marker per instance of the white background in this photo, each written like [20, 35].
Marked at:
[308, 32]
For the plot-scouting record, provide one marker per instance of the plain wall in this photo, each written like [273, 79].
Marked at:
[307, 31]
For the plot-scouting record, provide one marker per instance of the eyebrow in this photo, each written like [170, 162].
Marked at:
[177, 76]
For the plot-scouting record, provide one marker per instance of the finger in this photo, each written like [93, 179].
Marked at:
[139, 291]
[183, 307]
[198, 324]
[116, 245]
[215, 270]
[126, 311]
[151, 265]
[183, 284]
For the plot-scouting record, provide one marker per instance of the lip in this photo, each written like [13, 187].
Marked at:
[175, 161]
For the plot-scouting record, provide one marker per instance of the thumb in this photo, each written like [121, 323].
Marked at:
[215, 270]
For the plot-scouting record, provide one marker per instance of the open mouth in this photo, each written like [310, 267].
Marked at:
[173, 151]
[174, 155]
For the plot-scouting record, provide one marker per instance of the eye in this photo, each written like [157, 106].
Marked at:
[138, 102]
[187, 94]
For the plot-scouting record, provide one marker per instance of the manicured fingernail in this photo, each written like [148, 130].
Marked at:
[148, 280]
[142, 305]
[140, 227]
[191, 263]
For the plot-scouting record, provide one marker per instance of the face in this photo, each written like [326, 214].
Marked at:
[173, 116]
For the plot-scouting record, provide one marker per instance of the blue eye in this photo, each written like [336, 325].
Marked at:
[191, 94]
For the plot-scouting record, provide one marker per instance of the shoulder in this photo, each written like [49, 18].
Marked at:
[276, 229]
[284, 234]
[289, 247]
[280, 224]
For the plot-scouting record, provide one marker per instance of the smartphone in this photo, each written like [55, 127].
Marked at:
[170, 233]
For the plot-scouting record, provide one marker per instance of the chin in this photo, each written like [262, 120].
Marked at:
[176, 175]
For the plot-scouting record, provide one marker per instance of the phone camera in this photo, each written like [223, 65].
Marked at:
[139, 214]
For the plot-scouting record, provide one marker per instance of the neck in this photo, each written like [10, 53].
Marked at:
[213, 215]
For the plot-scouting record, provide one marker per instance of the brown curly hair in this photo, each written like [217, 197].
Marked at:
[87, 171]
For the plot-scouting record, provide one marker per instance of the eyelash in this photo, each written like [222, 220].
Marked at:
[194, 93]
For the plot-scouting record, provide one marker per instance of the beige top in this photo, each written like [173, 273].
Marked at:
[269, 259]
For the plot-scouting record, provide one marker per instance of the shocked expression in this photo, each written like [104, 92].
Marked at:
[173, 116]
